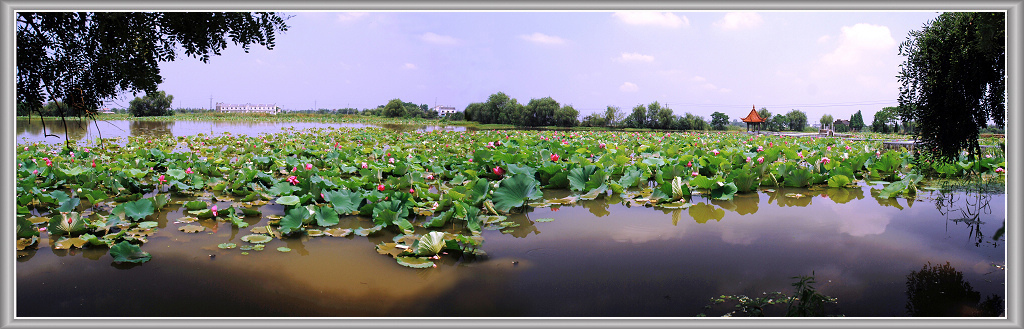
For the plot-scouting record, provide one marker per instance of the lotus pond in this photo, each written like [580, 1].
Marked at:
[340, 221]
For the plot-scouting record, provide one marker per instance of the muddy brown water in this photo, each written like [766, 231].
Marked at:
[595, 258]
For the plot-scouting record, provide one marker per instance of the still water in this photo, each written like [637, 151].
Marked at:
[31, 131]
[595, 258]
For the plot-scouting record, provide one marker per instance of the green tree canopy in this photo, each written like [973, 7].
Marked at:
[763, 112]
[153, 104]
[395, 108]
[84, 58]
[612, 116]
[797, 120]
[638, 118]
[719, 120]
[954, 80]
[857, 121]
[540, 112]
[567, 116]
[826, 120]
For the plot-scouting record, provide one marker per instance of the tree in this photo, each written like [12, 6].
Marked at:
[659, 117]
[612, 116]
[567, 116]
[153, 104]
[826, 120]
[778, 123]
[885, 120]
[83, 58]
[394, 109]
[594, 120]
[764, 114]
[540, 112]
[636, 119]
[719, 120]
[954, 80]
[857, 121]
[797, 120]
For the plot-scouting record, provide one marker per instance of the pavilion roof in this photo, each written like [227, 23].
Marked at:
[753, 116]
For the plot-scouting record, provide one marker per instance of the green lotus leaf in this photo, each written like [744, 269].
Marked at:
[404, 225]
[724, 191]
[289, 200]
[415, 262]
[282, 188]
[257, 238]
[227, 245]
[148, 224]
[344, 201]
[367, 231]
[391, 249]
[68, 205]
[66, 224]
[293, 220]
[26, 229]
[159, 201]
[326, 216]
[838, 181]
[514, 190]
[702, 212]
[126, 252]
[284, 249]
[544, 220]
[25, 243]
[137, 210]
[579, 177]
[430, 244]
[195, 205]
[65, 243]
[176, 174]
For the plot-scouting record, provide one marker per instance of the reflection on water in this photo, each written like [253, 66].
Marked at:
[587, 258]
[940, 290]
[79, 130]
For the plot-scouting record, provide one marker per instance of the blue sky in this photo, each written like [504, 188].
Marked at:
[697, 62]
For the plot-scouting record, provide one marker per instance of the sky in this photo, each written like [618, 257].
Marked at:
[818, 62]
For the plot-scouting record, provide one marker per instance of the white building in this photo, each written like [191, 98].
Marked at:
[247, 108]
[443, 110]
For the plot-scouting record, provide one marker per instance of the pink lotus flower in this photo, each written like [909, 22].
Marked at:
[412, 190]
[309, 166]
[35, 172]
[689, 164]
[878, 154]
[470, 160]
[748, 159]
[161, 179]
[1000, 170]
[294, 180]
[72, 154]
[490, 144]
[800, 154]
[214, 210]
[554, 157]
[430, 177]
[94, 163]
[364, 165]
[828, 148]
[49, 163]
[600, 146]
[380, 187]
[715, 151]
[848, 147]
[760, 160]
[759, 148]
[187, 170]
[498, 171]
[694, 174]
[825, 160]
[498, 143]
[294, 168]
[391, 160]
[769, 144]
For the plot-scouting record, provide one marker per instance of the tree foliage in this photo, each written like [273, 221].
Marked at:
[81, 59]
[954, 80]
[826, 120]
[153, 104]
[797, 120]
[719, 120]
[857, 121]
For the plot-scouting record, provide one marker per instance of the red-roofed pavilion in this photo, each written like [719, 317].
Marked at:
[753, 118]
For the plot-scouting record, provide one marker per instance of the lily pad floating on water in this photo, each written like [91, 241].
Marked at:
[415, 262]
[314, 232]
[256, 238]
[284, 249]
[367, 231]
[27, 242]
[543, 220]
[187, 219]
[192, 228]
[227, 245]
[148, 224]
[126, 252]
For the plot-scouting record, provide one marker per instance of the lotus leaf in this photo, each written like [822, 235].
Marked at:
[137, 210]
[24, 243]
[126, 252]
[227, 245]
[67, 224]
[367, 231]
[513, 191]
[544, 220]
[344, 201]
[195, 205]
[430, 244]
[415, 262]
[326, 216]
[702, 212]
[256, 238]
[289, 200]
[192, 228]
[338, 232]
[293, 220]
[25, 228]
[838, 181]
[392, 249]
[284, 249]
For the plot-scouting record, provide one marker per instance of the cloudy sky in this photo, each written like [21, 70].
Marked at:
[698, 62]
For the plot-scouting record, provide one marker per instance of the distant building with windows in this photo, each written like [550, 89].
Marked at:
[443, 110]
[247, 108]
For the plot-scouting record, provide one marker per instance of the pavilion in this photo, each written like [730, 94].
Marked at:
[753, 118]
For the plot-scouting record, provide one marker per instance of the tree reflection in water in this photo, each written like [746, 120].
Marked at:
[940, 290]
[965, 202]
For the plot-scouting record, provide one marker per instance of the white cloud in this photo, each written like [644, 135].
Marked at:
[652, 18]
[739, 20]
[629, 87]
[636, 57]
[702, 83]
[434, 38]
[345, 17]
[409, 66]
[542, 38]
[859, 43]
[824, 38]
